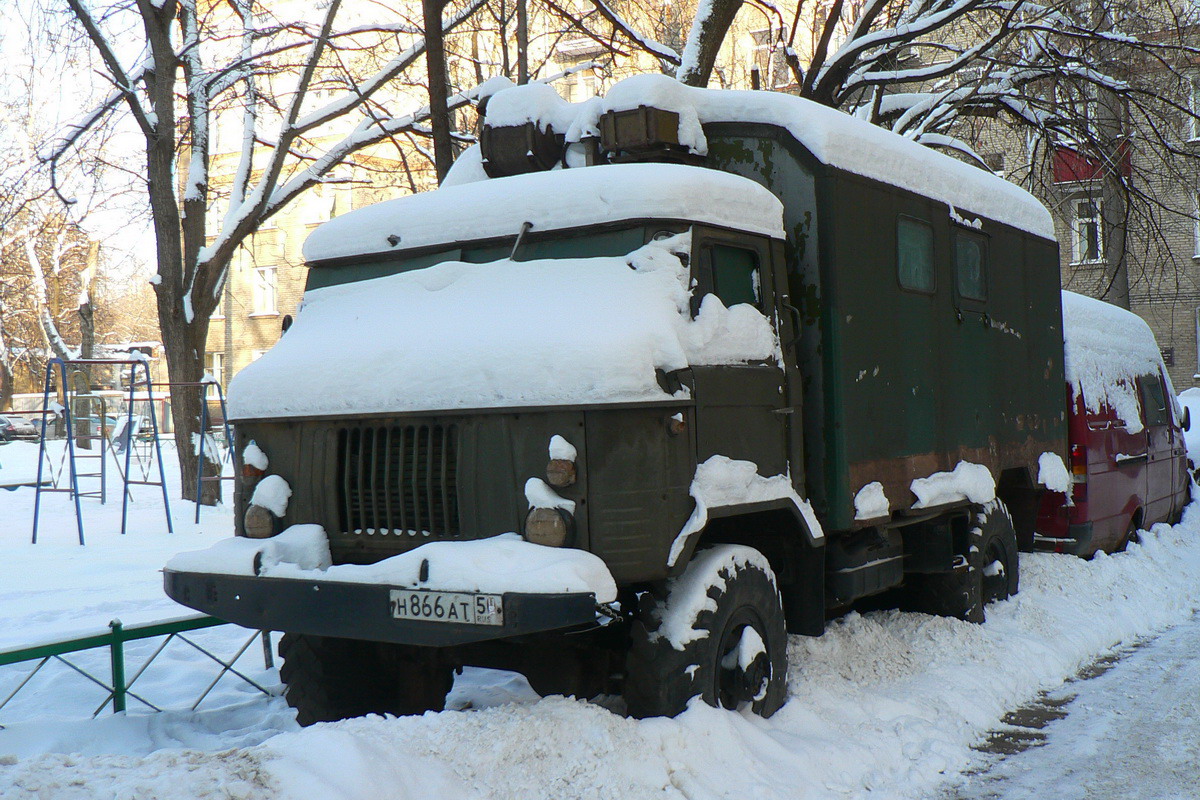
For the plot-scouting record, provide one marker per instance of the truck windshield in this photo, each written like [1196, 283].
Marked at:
[591, 244]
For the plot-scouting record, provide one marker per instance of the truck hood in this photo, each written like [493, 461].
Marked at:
[498, 335]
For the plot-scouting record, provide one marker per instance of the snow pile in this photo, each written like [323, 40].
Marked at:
[272, 493]
[688, 597]
[505, 563]
[722, 481]
[550, 201]
[1190, 399]
[540, 494]
[305, 547]
[562, 450]
[253, 456]
[538, 103]
[871, 502]
[967, 481]
[1052, 473]
[570, 331]
[833, 137]
[1107, 349]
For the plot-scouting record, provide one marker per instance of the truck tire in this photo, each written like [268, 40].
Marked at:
[328, 679]
[725, 614]
[992, 570]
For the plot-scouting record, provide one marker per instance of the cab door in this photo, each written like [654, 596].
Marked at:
[1160, 449]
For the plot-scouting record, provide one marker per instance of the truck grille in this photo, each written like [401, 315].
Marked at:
[399, 480]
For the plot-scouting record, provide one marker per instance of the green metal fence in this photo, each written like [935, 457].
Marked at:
[119, 689]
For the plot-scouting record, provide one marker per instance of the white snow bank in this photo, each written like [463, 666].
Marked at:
[1190, 399]
[722, 481]
[833, 137]
[688, 593]
[505, 563]
[1052, 473]
[569, 331]
[967, 481]
[304, 547]
[871, 502]
[550, 201]
[1107, 349]
[272, 493]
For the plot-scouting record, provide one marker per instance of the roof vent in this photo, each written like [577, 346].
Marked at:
[517, 149]
[644, 133]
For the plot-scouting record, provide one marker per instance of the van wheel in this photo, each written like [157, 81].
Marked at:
[327, 678]
[719, 633]
[1132, 535]
[988, 571]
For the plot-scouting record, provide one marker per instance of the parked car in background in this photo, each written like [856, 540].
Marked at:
[1125, 431]
[14, 428]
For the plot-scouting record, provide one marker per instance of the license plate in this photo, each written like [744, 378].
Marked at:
[460, 607]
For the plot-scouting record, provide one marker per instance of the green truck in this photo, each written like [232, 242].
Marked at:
[648, 384]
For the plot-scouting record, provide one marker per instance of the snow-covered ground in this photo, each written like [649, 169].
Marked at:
[885, 705]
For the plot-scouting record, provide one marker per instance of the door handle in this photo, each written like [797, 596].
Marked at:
[1128, 459]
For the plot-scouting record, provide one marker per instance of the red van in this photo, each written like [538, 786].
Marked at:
[1127, 460]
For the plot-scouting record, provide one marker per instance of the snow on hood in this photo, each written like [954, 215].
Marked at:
[834, 138]
[556, 200]
[1106, 349]
[502, 334]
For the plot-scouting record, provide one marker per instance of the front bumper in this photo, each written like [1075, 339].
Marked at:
[362, 611]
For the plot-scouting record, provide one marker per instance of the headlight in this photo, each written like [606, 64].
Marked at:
[259, 523]
[560, 473]
[549, 526]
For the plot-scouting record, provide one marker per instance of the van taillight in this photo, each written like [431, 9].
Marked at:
[1079, 463]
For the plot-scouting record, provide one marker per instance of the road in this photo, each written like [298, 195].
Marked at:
[1131, 732]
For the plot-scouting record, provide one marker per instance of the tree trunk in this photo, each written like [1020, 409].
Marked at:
[89, 419]
[522, 42]
[435, 58]
[704, 41]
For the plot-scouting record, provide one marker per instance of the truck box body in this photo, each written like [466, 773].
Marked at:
[900, 384]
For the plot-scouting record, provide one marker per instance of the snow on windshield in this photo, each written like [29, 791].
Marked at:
[550, 201]
[1106, 349]
[502, 334]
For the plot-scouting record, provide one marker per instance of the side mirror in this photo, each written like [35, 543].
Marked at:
[285, 324]
[1187, 418]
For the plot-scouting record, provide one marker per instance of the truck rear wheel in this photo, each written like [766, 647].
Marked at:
[327, 678]
[719, 633]
[991, 570]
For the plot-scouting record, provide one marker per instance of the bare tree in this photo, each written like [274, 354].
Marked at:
[309, 97]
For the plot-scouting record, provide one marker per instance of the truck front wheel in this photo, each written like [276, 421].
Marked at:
[327, 678]
[718, 633]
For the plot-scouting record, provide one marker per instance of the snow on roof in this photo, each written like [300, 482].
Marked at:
[551, 201]
[1106, 349]
[567, 331]
[834, 138]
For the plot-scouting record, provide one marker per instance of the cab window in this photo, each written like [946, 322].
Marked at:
[735, 274]
[1154, 400]
[970, 265]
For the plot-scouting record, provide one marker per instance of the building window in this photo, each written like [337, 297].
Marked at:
[1196, 223]
[1087, 231]
[216, 366]
[265, 291]
[1193, 121]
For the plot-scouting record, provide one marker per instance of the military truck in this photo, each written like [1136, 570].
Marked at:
[649, 383]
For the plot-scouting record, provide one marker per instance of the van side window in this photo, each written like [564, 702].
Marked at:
[735, 274]
[970, 265]
[1154, 401]
[914, 254]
